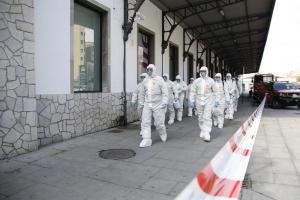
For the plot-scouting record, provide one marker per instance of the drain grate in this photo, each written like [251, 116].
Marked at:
[247, 182]
[116, 154]
[115, 131]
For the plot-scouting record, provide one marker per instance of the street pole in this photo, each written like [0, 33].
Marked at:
[243, 84]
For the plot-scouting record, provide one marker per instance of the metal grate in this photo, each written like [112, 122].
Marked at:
[116, 154]
[247, 182]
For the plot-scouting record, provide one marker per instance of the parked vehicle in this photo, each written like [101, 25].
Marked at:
[281, 94]
[261, 84]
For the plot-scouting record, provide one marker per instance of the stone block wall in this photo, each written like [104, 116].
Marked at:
[61, 117]
[18, 124]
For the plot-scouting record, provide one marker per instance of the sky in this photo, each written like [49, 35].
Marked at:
[282, 50]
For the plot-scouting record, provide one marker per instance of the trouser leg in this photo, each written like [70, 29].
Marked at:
[171, 111]
[146, 123]
[207, 120]
[200, 110]
[159, 121]
[190, 112]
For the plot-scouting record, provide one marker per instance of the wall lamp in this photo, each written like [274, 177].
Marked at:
[221, 11]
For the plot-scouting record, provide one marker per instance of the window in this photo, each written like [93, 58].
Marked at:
[145, 51]
[284, 86]
[86, 50]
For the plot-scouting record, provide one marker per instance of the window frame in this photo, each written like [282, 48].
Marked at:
[101, 13]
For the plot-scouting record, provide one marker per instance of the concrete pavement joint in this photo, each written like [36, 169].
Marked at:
[289, 150]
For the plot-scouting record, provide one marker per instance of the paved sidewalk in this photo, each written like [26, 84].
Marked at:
[274, 166]
[72, 170]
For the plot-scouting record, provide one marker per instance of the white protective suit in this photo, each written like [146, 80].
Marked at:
[180, 87]
[236, 96]
[137, 94]
[219, 101]
[202, 95]
[190, 110]
[230, 89]
[171, 93]
[154, 101]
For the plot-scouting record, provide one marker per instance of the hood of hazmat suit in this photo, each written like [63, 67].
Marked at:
[137, 92]
[154, 89]
[201, 89]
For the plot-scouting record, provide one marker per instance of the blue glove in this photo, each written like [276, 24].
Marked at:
[191, 104]
[216, 104]
[132, 103]
[163, 105]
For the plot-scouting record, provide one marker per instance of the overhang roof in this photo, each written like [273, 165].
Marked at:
[236, 30]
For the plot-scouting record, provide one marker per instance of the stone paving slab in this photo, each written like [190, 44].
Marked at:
[72, 170]
[274, 164]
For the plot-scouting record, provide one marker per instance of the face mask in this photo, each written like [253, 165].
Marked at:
[203, 74]
[142, 78]
[150, 71]
[228, 78]
[218, 79]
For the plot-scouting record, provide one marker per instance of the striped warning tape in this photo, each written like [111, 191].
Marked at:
[222, 178]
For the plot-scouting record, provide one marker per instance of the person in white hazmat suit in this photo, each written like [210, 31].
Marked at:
[180, 87]
[201, 97]
[230, 89]
[190, 110]
[219, 101]
[171, 93]
[153, 101]
[137, 94]
[236, 95]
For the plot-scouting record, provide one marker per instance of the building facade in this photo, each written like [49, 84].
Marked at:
[61, 67]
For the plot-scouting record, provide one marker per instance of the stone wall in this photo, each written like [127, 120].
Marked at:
[27, 120]
[18, 128]
[61, 117]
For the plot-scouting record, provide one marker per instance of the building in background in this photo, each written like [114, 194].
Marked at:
[61, 67]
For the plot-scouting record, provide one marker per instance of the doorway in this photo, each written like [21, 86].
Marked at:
[190, 67]
[173, 62]
[145, 51]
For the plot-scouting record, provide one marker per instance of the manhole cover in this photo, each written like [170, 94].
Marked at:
[247, 182]
[116, 154]
[115, 131]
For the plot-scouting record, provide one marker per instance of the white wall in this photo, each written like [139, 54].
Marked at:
[115, 12]
[52, 46]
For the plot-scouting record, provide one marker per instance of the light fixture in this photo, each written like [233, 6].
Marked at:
[221, 11]
[139, 16]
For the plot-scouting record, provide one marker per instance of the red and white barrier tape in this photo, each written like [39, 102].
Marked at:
[222, 178]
